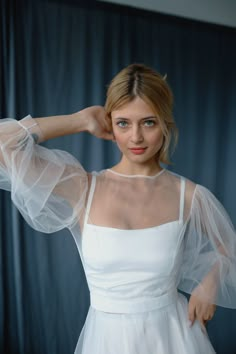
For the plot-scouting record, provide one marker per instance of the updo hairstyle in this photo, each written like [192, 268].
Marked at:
[138, 80]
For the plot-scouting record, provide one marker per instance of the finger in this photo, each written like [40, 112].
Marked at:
[108, 127]
[203, 326]
[191, 315]
[108, 136]
[108, 132]
[108, 122]
[208, 318]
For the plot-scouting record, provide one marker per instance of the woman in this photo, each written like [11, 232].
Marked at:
[141, 231]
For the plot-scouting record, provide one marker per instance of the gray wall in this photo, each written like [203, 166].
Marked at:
[221, 12]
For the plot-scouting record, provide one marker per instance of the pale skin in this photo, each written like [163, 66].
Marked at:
[131, 126]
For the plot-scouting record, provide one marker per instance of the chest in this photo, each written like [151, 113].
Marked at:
[152, 250]
[136, 206]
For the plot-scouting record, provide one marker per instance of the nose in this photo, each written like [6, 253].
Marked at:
[136, 135]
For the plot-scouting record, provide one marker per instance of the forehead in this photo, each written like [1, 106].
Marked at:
[135, 109]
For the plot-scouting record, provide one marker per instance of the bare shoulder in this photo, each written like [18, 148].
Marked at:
[89, 176]
[190, 186]
[189, 191]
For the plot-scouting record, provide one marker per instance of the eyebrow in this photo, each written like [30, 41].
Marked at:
[149, 117]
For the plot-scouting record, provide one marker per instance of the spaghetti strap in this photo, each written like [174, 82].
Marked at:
[90, 198]
[181, 203]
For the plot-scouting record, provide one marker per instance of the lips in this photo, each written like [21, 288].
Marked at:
[137, 150]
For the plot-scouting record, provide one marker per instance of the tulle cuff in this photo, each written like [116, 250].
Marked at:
[32, 127]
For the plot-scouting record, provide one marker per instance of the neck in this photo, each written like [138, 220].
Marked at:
[147, 169]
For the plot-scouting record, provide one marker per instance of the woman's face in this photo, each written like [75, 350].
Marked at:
[137, 131]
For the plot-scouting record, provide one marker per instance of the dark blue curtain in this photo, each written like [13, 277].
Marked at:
[58, 57]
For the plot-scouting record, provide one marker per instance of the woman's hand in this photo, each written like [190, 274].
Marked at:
[96, 122]
[201, 310]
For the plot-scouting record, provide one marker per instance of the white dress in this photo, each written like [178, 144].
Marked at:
[132, 277]
[140, 238]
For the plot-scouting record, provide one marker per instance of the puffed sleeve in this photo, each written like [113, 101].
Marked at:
[48, 186]
[209, 262]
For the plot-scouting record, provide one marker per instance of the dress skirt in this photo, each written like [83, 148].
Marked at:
[160, 331]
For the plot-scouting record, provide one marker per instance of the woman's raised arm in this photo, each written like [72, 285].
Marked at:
[48, 186]
[92, 119]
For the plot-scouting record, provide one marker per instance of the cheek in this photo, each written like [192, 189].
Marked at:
[120, 137]
[156, 138]
[119, 134]
[121, 140]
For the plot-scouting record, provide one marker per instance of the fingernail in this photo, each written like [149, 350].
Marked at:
[190, 323]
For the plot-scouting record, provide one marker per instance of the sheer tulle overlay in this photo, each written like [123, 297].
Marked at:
[47, 186]
[139, 238]
[162, 331]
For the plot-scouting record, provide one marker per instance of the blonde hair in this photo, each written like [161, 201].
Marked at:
[138, 80]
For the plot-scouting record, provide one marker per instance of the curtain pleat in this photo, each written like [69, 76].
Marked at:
[58, 57]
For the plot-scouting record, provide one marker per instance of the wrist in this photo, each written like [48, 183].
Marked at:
[80, 121]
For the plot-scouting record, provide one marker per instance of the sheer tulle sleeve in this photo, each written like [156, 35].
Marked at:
[209, 264]
[47, 186]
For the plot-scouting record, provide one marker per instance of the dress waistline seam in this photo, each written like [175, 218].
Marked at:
[108, 304]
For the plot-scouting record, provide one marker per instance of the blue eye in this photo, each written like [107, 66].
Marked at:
[149, 123]
[122, 124]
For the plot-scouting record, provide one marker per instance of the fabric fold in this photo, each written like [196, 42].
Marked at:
[48, 186]
[209, 265]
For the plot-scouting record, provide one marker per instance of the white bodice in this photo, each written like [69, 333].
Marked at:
[132, 270]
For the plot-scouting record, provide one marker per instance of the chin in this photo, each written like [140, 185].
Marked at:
[141, 158]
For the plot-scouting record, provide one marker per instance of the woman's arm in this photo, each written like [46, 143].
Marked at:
[48, 186]
[13, 133]
[209, 267]
[92, 119]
